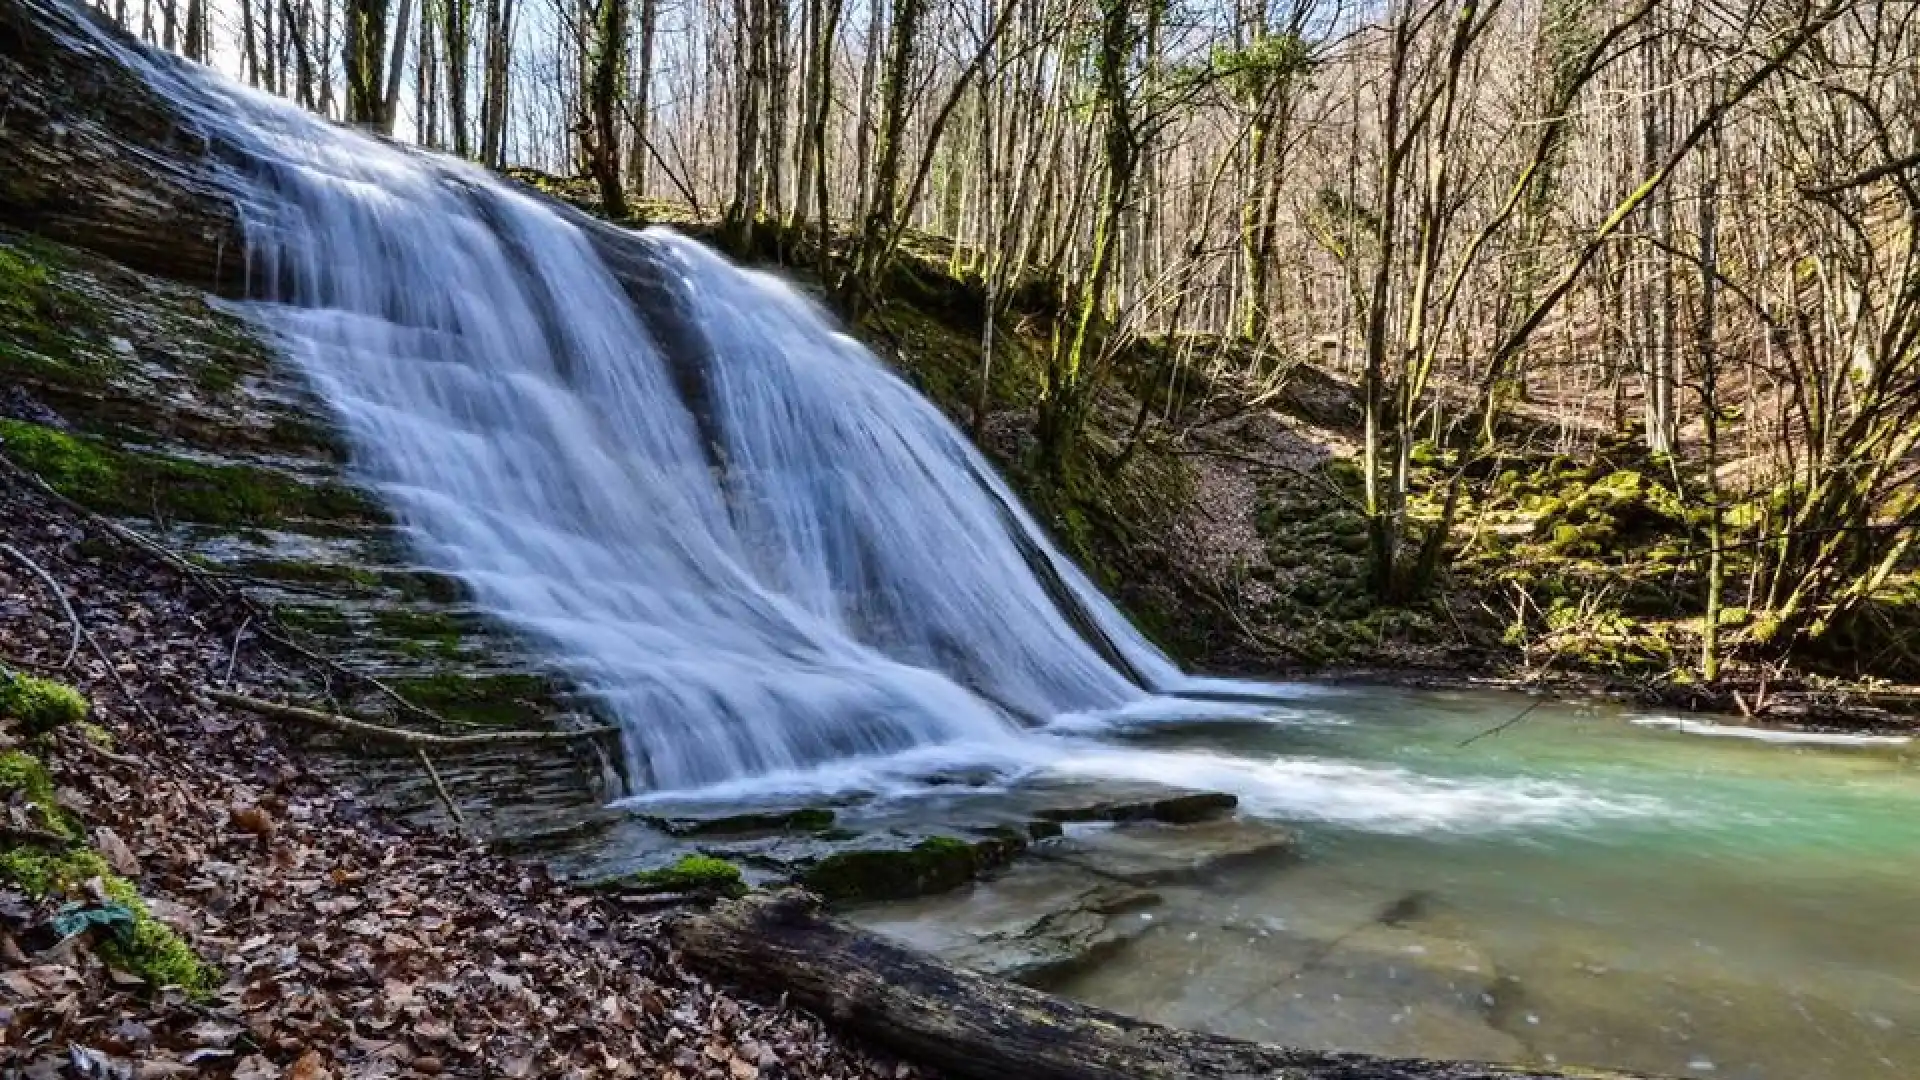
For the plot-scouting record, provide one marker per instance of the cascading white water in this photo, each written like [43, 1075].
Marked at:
[802, 563]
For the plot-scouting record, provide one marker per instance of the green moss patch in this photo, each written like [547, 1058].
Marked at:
[39, 705]
[25, 783]
[702, 874]
[516, 701]
[42, 322]
[117, 481]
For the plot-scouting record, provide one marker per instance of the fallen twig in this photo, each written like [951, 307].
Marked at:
[440, 789]
[59, 595]
[233, 657]
[1498, 728]
[350, 726]
[113, 670]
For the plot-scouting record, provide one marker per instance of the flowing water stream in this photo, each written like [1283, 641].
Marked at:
[780, 571]
[1682, 904]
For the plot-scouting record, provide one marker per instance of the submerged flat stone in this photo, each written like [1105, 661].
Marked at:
[1158, 854]
[1038, 923]
[1183, 809]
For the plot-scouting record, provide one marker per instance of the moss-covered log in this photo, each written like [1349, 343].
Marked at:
[969, 1025]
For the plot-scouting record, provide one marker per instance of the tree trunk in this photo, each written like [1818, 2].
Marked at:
[457, 34]
[979, 1028]
[606, 77]
[365, 47]
[493, 95]
[390, 101]
[640, 160]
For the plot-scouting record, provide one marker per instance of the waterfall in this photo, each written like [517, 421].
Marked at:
[722, 518]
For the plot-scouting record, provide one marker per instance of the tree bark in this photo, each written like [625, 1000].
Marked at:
[980, 1028]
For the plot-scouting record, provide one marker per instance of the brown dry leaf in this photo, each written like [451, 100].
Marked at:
[253, 819]
[309, 1066]
[117, 854]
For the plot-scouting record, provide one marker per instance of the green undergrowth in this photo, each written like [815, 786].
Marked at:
[116, 480]
[52, 862]
[1596, 562]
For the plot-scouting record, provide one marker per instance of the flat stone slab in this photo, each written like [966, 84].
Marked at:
[1156, 854]
[1036, 924]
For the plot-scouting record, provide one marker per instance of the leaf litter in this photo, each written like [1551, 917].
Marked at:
[343, 945]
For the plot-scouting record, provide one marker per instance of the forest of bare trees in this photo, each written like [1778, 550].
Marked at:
[1695, 220]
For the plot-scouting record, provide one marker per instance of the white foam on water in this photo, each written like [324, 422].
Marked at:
[1375, 798]
[1768, 735]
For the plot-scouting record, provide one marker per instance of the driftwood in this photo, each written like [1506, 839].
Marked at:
[363, 729]
[981, 1028]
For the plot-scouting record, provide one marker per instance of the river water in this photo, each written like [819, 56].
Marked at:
[1589, 886]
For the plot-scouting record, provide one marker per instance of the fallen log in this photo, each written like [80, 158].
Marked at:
[981, 1028]
[347, 725]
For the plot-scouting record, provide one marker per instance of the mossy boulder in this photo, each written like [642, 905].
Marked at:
[37, 705]
[932, 865]
[1183, 809]
[810, 819]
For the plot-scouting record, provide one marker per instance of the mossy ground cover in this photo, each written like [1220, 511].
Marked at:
[50, 860]
[37, 705]
[696, 874]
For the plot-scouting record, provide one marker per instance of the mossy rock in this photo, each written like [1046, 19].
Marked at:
[1185, 809]
[115, 480]
[39, 705]
[935, 864]
[515, 700]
